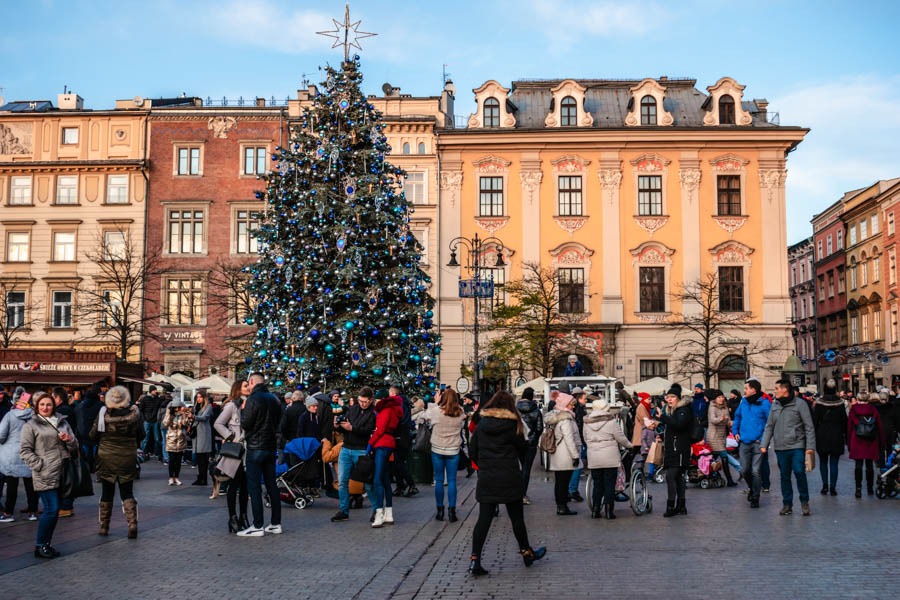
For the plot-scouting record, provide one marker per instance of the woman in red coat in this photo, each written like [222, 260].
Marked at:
[866, 437]
[388, 412]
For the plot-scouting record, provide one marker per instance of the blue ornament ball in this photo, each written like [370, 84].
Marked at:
[329, 348]
[354, 374]
[376, 371]
[248, 360]
[348, 325]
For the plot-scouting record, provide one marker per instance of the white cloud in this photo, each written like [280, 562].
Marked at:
[854, 126]
[264, 24]
[567, 21]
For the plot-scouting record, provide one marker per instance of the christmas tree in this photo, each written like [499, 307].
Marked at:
[340, 298]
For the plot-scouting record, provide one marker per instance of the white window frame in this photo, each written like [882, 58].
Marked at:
[54, 304]
[252, 225]
[410, 184]
[256, 146]
[20, 190]
[852, 277]
[421, 234]
[876, 268]
[876, 323]
[189, 145]
[116, 191]
[15, 311]
[63, 136]
[109, 306]
[109, 245]
[192, 277]
[854, 330]
[17, 257]
[840, 239]
[828, 247]
[864, 273]
[864, 327]
[863, 229]
[69, 185]
[852, 235]
[64, 251]
[875, 224]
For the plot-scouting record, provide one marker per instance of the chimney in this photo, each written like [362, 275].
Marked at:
[70, 102]
[762, 108]
[260, 102]
[447, 97]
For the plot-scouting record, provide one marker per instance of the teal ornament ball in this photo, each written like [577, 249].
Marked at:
[354, 374]
[348, 325]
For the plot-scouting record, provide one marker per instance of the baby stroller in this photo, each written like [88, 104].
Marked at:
[888, 483]
[706, 467]
[299, 484]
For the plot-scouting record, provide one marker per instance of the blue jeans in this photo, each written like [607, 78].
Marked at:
[440, 462]
[165, 453]
[47, 522]
[346, 459]
[576, 474]
[826, 461]
[751, 464]
[148, 437]
[261, 466]
[792, 461]
[381, 487]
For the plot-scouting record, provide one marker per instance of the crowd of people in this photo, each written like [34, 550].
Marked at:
[359, 445]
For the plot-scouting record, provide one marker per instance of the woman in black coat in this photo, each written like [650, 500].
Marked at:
[679, 420]
[830, 422]
[496, 447]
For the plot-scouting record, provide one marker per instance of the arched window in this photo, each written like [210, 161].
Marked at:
[726, 110]
[568, 112]
[648, 110]
[491, 113]
[405, 147]
[421, 147]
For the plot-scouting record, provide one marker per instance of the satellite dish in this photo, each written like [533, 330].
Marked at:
[387, 88]
[138, 100]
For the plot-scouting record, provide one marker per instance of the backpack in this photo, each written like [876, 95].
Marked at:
[865, 429]
[548, 439]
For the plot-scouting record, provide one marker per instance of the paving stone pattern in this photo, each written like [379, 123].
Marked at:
[848, 548]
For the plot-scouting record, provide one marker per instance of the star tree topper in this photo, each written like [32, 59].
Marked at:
[343, 30]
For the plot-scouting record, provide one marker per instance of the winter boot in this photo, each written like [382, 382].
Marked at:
[105, 516]
[564, 510]
[670, 509]
[859, 490]
[530, 555]
[475, 567]
[680, 508]
[451, 514]
[379, 518]
[389, 515]
[440, 514]
[824, 489]
[597, 511]
[129, 507]
[728, 480]
[609, 511]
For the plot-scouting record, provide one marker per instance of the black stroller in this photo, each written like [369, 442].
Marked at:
[300, 482]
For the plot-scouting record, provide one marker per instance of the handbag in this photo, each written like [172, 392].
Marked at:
[232, 450]
[192, 431]
[464, 461]
[364, 470]
[810, 461]
[423, 439]
[75, 479]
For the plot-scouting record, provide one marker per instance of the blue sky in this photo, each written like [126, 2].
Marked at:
[831, 66]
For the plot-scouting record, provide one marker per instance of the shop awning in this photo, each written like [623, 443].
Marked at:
[50, 379]
[163, 384]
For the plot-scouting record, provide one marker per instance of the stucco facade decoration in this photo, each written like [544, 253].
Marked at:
[69, 178]
[635, 196]
[890, 214]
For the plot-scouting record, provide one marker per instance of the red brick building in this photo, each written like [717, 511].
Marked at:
[202, 207]
[802, 278]
[890, 212]
[831, 291]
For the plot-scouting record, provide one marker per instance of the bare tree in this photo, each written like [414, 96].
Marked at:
[532, 326]
[229, 303]
[117, 307]
[697, 348]
[19, 312]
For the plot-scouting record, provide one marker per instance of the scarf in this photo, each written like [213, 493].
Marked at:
[646, 404]
[754, 398]
[786, 401]
[101, 421]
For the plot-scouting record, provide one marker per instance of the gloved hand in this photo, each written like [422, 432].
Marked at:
[575, 463]
[369, 449]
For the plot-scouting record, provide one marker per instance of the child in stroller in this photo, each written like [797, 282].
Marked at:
[706, 467]
[888, 482]
[300, 482]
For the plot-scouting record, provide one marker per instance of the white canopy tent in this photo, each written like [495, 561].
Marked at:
[181, 380]
[656, 386]
[537, 384]
[215, 384]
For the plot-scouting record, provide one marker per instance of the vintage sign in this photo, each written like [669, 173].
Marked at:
[186, 335]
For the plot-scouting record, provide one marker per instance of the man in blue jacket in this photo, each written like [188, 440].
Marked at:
[749, 425]
[700, 405]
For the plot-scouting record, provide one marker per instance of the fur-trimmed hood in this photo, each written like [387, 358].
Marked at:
[389, 402]
[111, 402]
[499, 413]
[123, 415]
[830, 400]
[684, 401]
[555, 416]
[598, 416]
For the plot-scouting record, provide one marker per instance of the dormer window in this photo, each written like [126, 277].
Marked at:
[648, 110]
[726, 110]
[568, 113]
[491, 113]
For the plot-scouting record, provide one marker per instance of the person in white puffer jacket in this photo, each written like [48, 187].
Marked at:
[603, 436]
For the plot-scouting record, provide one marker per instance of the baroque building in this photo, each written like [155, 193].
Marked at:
[803, 305]
[628, 190]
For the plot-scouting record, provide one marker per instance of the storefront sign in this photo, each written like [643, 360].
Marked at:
[185, 335]
[62, 367]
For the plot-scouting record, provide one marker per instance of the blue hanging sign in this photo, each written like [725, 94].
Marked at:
[476, 288]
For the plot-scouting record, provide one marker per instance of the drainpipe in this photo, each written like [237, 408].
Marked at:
[144, 168]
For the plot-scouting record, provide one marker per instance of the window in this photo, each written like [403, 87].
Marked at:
[876, 323]
[649, 195]
[421, 148]
[653, 368]
[828, 246]
[64, 246]
[863, 230]
[414, 187]
[491, 113]
[892, 268]
[730, 195]
[648, 110]
[802, 272]
[491, 197]
[819, 250]
[864, 273]
[568, 112]
[853, 235]
[874, 220]
[840, 280]
[189, 161]
[793, 275]
[17, 246]
[890, 219]
[20, 191]
[853, 277]
[185, 231]
[112, 309]
[69, 135]
[61, 315]
[67, 189]
[255, 160]
[831, 284]
[876, 269]
[422, 236]
[15, 310]
[571, 290]
[652, 289]
[405, 147]
[114, 247]
[731, 289]
[726, 110]
[895, 327]
[854, 330]
[840, 239]
[246, 223]
[184, 301]
[498, 276]
[821, 288]
[117, 189]
[570, 196]
[864, 326]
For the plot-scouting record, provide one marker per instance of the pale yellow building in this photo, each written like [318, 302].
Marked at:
[72, 182]
[627, 189]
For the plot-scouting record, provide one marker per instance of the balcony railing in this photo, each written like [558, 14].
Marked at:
[242, 102]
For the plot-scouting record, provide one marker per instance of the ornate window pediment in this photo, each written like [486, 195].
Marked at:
[729, 86]
[651, 254]
[731, 253]
[729, 163]
[571, 253]
[491, 164]
[492, 89]
[652, 88]
[566, 89]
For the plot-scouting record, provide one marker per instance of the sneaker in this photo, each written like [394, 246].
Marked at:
[66, 513]
[171, 481]
[252, 532]
[786, 510]
[340, 516]
[805, 507]
[754, 503]
[7, 519]
[32, 517]
[178, 481]
[765, 490]
[276, 529]
[526, 501]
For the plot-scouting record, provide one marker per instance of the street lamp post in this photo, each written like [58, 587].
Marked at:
[475, 246]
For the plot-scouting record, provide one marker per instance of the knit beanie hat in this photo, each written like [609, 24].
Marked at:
[600, 404]
[311, 401]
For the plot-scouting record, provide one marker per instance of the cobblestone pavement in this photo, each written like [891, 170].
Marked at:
[848, 548]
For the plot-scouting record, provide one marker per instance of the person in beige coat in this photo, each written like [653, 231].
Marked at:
[568, 449]
[446, 418]
[178, 419]
[717, 432]
[603, 436]
[47, 440]
[228, 425]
